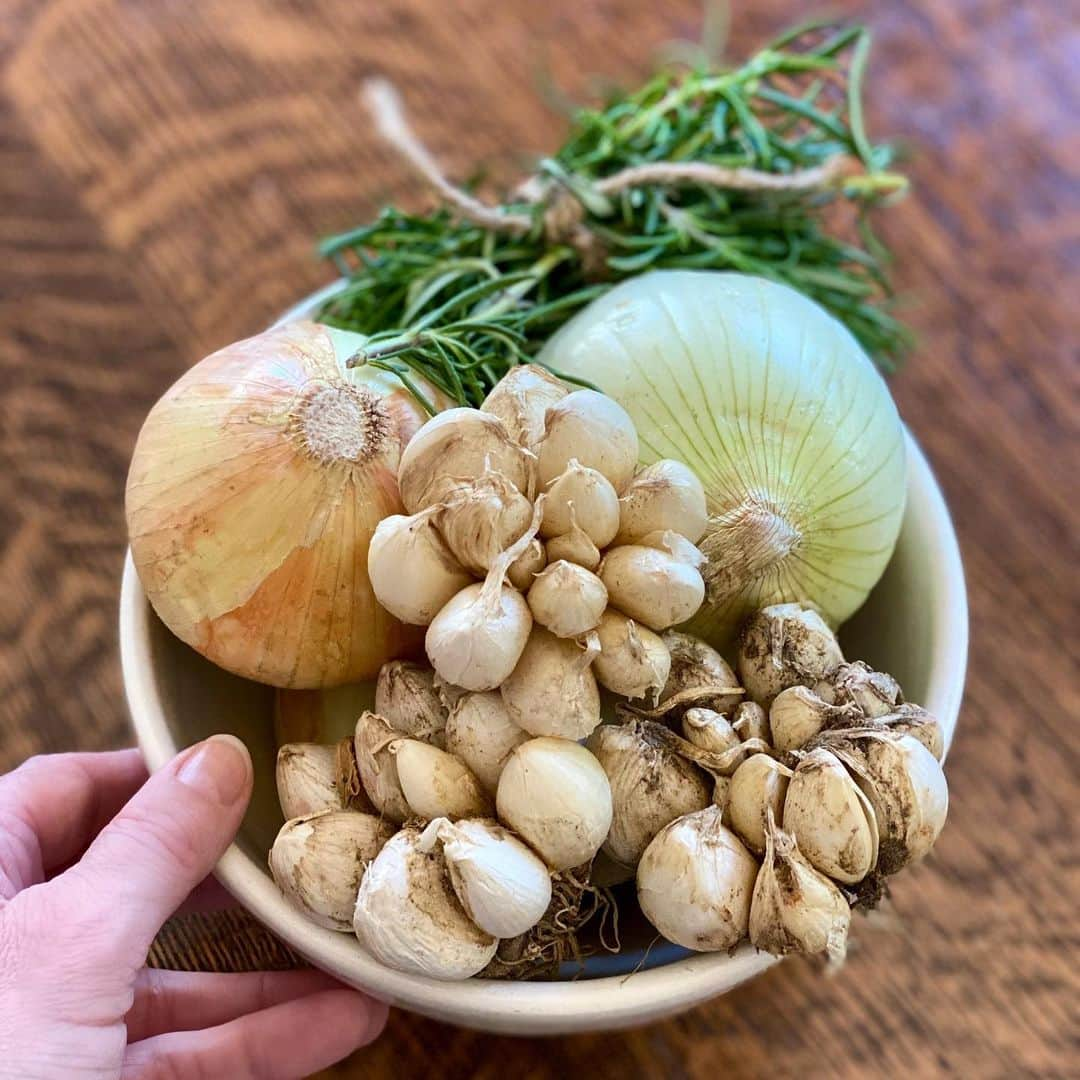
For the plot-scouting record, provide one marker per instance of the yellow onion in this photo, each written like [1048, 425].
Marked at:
[776, 408]
[256, 484]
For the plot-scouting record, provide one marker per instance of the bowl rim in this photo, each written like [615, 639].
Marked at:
[600, 1003]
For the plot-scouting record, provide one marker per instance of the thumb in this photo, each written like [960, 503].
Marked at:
[161, 845]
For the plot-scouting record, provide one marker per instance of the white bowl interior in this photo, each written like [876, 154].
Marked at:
[914, 625]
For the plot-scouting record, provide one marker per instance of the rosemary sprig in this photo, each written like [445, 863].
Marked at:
[750, 169]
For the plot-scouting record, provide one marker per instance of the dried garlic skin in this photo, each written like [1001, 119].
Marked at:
[831, 819]
[527, 565]
[795, 908]
[521, 399]
[873, 693]
[318, 861]
[408, 917]
[306, 775]
[377, 766]
[503, 886]
[695, 882]
[664, 495]
[460, 443]
[758, 789]
[436, 784]
[481, 518]
[650, 786]
[634, 662]
[281, 598]
[555, 795]
[782, 646]
[699, 675]
[481, 733]
[405, 696]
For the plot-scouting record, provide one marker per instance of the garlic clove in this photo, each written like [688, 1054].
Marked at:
[481, 518]
[695, 882]
[905, 786]
[555, 795]
[481, 733]
[456, 443]
[873, 693]
[585, 497]
[915, 721]
[434, 574]
[306, 776]
[797, 714]
[785, 645]
[699, 676]
[758, 789]
[408, 917]
[795, 908]
[405, 696]
[552, 690]
[503, 886]
[651, 785]
[526, 566]
[377, 767]
[664, 495]
[436, 784]
[633, 662]
[574, 546]
[521, 399]
[567, 599]
[593, 429]
[751, 721]
[710, 730]
[319, 859]
[676, 545]
[651, 585]
[831, 819]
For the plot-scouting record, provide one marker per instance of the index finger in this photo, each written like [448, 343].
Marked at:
[53, 806]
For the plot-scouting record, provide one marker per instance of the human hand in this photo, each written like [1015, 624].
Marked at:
[94, 857]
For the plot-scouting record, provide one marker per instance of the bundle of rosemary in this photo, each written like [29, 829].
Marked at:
[749, 169]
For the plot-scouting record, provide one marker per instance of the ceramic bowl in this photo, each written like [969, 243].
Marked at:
[914, 624]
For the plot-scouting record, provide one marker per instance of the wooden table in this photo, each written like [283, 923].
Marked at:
[164, 169]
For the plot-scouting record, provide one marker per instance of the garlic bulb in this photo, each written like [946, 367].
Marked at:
[434, 574]
[633, 661]
[567, 599]
[797, 714]
[436, 784]
[776, 407]
[796, 909]
[830, 818]
[699, 675]
[460, 443]
[874, 693]
[593, 429]
[306, 775]
[408, 917]
[555, 795]
[650, 786]
[527, 565]
[651, 586]
[695, 882]
[584, 496]
[751, 721]
[521, 399]
[377, 767]
[782, 646]
[663, 495]
[319, 716]
[318, 860]
[481, 518]
[405, 696]
[481, 733]
[282, 598]
[503, 887]
[905, 786]
[758, 788]
[575, 546]
[552, 691]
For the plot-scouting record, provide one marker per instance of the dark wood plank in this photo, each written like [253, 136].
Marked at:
[163, 172]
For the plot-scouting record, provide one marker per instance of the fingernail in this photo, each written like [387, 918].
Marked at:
[219, 768]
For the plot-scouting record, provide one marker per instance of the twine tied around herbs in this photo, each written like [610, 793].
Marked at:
[563, 201]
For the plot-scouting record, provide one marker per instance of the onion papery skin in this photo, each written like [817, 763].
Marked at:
[255, 486]
[779, 412]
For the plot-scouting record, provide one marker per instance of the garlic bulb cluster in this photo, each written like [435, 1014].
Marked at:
[256, 487]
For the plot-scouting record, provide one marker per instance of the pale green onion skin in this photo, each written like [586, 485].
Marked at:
[781, 414]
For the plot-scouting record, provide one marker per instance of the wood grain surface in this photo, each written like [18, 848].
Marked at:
[164, 170]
